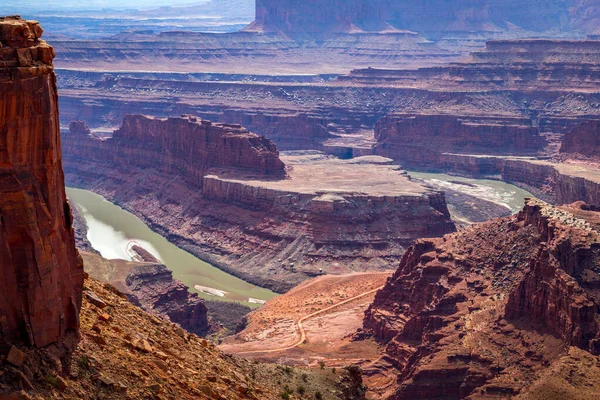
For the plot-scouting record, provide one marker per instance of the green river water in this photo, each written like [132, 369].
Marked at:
[111, 230]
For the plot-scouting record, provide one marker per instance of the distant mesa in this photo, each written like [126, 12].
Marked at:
[432, 19]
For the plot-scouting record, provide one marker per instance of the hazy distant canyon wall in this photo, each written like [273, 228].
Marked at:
[433, 19]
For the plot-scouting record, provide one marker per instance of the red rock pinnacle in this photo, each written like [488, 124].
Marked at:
[41, 275]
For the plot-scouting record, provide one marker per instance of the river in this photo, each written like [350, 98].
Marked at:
[501, 193]
[111, 230]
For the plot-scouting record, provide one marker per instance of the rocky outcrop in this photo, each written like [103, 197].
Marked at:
[434, 19]
[583, 140]
[452, 134]
[561, 288]
[41, 275]
[477, 311]
[154, 289]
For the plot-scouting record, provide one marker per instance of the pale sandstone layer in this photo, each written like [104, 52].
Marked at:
[482, 313]
[328, 215]
[41, 274]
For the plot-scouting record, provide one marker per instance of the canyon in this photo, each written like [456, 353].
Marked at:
[270, 224]
[391, 284]
[511, 104]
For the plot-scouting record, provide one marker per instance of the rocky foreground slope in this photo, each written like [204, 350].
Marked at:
[125, 353]
[485, 312]
[41, 274]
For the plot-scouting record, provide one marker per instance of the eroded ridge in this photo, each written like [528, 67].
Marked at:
[481, 312]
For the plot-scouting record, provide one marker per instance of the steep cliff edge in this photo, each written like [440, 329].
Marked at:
[480, 313]
[41, 275]
[457, 134]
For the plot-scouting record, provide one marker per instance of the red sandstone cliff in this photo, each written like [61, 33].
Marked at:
[583, 140]
[480, 312]
[41, 276]
[185, 146]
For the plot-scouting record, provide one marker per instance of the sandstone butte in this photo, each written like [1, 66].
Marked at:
[41, 274]
[228, 197]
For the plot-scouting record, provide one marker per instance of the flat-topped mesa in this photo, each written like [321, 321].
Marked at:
[184, 146]
[41, 275]
[433, 19]
[479, 310]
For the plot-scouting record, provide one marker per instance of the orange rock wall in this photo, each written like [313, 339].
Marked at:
[41, 275]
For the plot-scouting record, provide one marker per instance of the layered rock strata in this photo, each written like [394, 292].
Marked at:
[502, 64]
[479, 313]
[41, 275]
[184, 146]
[452, 134]
[510, 89]
[326, 216]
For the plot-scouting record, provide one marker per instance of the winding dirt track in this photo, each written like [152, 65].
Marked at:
[300, 327]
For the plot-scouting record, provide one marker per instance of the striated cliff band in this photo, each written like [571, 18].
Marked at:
[41, 274]
[225, 198]
[489, 311]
